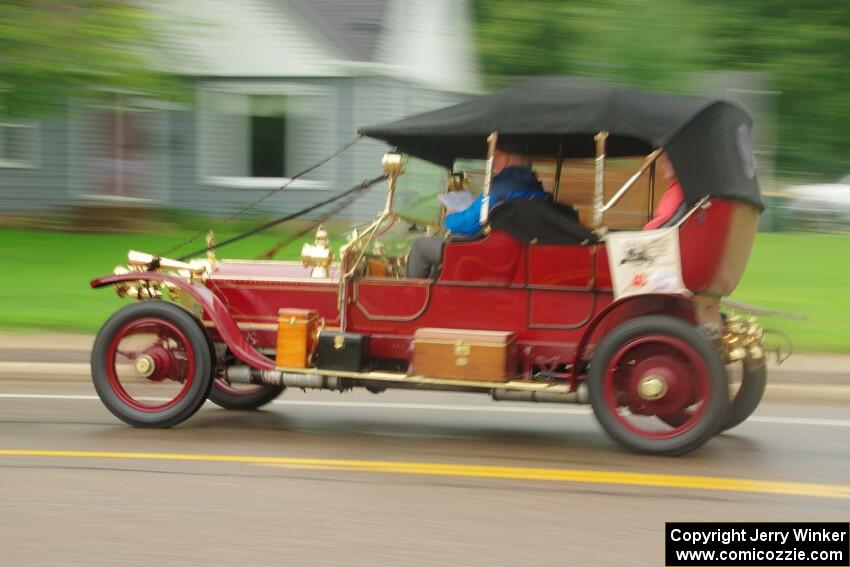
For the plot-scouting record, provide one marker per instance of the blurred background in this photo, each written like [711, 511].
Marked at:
[131, 124]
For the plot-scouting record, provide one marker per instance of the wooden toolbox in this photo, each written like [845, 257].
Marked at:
[465, 354]
[296, 337]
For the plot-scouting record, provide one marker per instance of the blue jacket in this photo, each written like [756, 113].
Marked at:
[511, 183]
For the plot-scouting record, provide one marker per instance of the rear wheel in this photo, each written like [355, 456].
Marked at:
[151, 364]
[658, 386]
[749, 394]
[243, 397]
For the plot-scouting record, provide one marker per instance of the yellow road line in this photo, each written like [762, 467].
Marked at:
[482, 471]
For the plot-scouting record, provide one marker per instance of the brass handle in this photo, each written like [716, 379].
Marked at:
[462, 351]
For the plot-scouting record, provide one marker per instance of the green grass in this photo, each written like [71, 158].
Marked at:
[807, 274]
[44, 280]
[44, 276]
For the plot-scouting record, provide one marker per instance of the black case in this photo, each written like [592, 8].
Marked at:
[345, 353]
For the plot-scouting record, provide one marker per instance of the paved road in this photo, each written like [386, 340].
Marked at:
[397, 479]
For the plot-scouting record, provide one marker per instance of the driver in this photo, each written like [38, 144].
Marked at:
[512, 179]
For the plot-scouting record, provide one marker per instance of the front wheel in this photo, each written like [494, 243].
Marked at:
[658, 386]
[151, 364]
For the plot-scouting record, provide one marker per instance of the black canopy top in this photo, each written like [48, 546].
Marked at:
[708, 140]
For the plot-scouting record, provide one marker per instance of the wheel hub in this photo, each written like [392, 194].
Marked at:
[658, 384]
[652, 387]
[156, 363]
[149, 363]
[145, 366]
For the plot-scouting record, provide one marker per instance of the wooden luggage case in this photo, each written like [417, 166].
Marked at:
[465, 354]
[296, 337]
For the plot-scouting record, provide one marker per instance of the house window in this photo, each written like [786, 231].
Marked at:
[18, 145]
[267, 151]
[120, 165]
[244, 137]
[256, 135]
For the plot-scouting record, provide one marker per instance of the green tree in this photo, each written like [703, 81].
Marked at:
[801, 46]
[55, 50]
[804, 47]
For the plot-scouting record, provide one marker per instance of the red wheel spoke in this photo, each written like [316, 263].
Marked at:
[657, 386]
[163, 364]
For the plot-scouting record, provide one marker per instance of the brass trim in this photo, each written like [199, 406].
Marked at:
[245, 319]
[649, 161]
[248, 326]
[145, 366]
[244, 261]
[556, 185]
[652, 387]
[392, 164]
[461, 347]
[599, 180]
[330, 281]
[492, 141]
[318, 256]
[742, 340]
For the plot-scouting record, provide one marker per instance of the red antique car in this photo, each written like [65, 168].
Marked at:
[631, 322]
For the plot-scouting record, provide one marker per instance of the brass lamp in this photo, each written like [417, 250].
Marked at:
[318, 255]
[393, 164]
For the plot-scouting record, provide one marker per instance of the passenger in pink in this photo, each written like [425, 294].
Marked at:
[672, 199]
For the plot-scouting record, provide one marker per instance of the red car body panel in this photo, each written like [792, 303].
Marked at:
[556, 298]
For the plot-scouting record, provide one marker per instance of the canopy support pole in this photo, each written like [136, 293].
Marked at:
[651, 205]
[492, 139]
[648, 162]
[599, 189]
[556, 186]
[393, 164]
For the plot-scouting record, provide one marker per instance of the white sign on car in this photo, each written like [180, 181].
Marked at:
[645, 262]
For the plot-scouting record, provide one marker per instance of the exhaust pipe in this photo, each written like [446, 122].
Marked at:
[248, 375]
[580, 396]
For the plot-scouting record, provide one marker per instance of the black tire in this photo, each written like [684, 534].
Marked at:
[749, 395]
[196, 346]
[222, 395]
[713, 414]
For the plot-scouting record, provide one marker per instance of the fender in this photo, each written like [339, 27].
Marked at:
[212, 305]
[644, 304]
